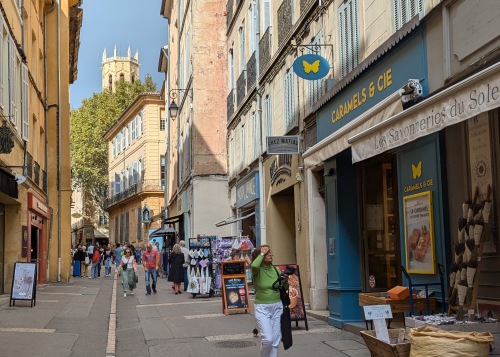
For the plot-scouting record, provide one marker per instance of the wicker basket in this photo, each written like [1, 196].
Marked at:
[379, 348]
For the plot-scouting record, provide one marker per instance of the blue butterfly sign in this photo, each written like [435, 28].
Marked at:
[311, 67]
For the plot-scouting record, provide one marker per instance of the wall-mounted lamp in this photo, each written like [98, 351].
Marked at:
[173, 108]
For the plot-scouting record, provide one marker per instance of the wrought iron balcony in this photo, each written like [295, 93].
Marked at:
[265, 49]
[241, 87]
[29, 165]
[37, 173]
[230, 104]
[285, 21]
[139, 187]
[251, 71]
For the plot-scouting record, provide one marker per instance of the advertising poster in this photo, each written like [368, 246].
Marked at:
[235, 292]
[419, 234]
[297, 307]
[23, 282]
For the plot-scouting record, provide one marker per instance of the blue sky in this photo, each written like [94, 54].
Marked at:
[123, 23]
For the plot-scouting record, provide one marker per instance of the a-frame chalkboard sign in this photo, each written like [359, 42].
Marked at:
[23, 283]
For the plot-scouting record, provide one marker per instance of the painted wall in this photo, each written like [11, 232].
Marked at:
[210, 205]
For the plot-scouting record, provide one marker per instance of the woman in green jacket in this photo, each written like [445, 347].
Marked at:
[268, 306]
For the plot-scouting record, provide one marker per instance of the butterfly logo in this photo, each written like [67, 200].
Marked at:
[311, 67]
[416, 170]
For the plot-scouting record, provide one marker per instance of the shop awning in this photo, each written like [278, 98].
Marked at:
[337, 142]
[173, 219]
[99, 234]
[162, 232]
[232, 220]
[477, 94]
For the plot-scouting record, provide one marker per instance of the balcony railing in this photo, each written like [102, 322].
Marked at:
[36, 170]
[265, 49]
[139, 187]
[251, 71]
[285, 21]
[230, 104]
[44, 181]
[241, 87]
[29, 165]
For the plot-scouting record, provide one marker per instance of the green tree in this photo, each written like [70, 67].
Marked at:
[89, 150]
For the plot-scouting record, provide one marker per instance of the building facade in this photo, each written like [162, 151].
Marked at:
[34, 105]
[136, 169]
[338, 208]
[195, 65]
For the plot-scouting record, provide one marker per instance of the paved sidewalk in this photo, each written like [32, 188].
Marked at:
[78, 319]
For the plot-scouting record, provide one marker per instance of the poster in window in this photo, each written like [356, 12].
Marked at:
[419, 233]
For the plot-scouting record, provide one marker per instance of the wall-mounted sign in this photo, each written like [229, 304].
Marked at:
[311, 67]
[281, 145]
[248, 190]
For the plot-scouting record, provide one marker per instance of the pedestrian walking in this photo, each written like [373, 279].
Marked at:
[118, 255]
[268, 306]
[129, 269]
[176, 274]
[108, 257]
[151, 264]
[78, 261]
[185, 251]
[85, 262]
[96, 257]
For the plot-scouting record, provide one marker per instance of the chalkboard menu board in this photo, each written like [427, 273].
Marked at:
[23, 283]
[236, 294]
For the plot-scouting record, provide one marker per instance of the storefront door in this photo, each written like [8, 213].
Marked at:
[380, 225]
[35, 248]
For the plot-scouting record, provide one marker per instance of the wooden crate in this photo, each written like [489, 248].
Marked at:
[379, 348]
[397, 306]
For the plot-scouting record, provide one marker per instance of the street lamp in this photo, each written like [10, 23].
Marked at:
[173, 108]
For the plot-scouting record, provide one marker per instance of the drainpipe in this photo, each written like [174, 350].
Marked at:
[262, 200]
[46, 116]
[167, 159]
[59, 133]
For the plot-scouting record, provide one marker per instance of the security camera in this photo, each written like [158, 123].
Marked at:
[411, 91]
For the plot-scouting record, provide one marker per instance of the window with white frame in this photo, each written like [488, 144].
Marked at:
[404, 10]
[268, 115]
[135, 174]
[133, 126]
[130, 176]
[140, 127]
[114, 146]
[243, 158]
[349, 36]
[162, 124]
[124, 139]
[25, 115]
[124, 179]
[13, 80]
[231, 69]
[266, 16]
[232, 156]
[118, 143]
[314, 88]
[117, 183]
[243, 60]
[253, 15]
[162, 171]
[129, 134]
[255, 136]
[289, 100]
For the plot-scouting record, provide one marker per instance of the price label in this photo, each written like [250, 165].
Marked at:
[376, 312]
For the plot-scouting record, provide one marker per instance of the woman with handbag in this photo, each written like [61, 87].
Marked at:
[176, 274]
[129, 269]
[268, 305]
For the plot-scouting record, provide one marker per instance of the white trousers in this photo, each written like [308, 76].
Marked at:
[269, 323]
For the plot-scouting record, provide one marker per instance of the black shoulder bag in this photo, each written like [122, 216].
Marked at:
[286, 321]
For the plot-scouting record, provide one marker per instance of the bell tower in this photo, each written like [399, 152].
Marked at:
[119, 68]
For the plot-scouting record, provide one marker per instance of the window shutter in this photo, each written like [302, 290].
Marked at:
[267, 15]
[12, 80]
[1, 60]
[349, 37]
[25, 103]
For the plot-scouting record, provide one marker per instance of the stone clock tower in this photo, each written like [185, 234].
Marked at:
[119, 68]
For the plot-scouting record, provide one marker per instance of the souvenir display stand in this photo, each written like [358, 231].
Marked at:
[234, 286]
[233, 248]
[200, 268]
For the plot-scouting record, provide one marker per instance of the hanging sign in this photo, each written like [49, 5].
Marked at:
[311, 67]
[281, 145]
